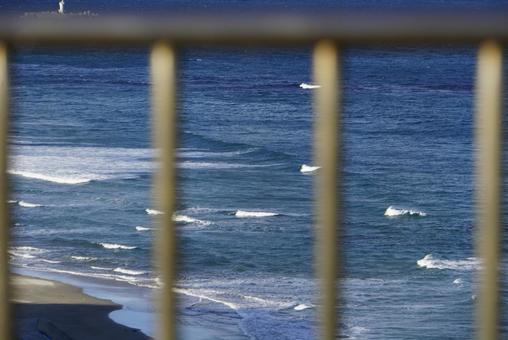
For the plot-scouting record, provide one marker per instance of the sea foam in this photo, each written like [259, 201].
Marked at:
[391, 211]
[428, 261]
[116, 246]
[255, 214]
[141, 228]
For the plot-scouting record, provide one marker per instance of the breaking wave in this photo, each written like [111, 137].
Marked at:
[54, 179]
[141, 228]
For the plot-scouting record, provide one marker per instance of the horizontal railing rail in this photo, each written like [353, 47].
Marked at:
[327, 32]
[277, 28]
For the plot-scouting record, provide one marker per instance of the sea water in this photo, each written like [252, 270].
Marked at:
[82, 163]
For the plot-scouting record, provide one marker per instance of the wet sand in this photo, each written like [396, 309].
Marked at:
[62, 311]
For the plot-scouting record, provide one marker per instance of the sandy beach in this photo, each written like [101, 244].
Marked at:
[61, 311]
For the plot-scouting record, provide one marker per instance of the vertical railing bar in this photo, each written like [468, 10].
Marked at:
[327, 151]
[5, 315]
[489, 184]
[164, 82]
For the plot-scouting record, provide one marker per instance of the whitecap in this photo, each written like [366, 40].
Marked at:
[12, 202]
[308, 168]
[28, 205]
[128, 271]
[307, 86]
[220, 165]
[116, 246]
[457, 281]
[392, 211]
[153, 212]
[429, 262]
[141, 228]
[256, 214]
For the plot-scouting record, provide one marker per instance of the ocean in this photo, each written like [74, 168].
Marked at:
[81, 165]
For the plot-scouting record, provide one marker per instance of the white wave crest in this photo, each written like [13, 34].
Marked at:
[128, 271]
[83, 258]
[28, 205]
[153, 212]
[116, 246]
[307, 86]
[308, 168]
[141, 228]
[429, 262]
[54, 179]
[188, 219]
[256, 214]
[457, 281]
[391, 211]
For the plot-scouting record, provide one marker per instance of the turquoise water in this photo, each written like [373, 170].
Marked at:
[82, 162]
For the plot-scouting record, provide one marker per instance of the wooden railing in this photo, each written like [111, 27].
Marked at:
[328, 33]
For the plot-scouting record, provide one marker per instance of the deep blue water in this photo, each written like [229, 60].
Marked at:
[81, 150]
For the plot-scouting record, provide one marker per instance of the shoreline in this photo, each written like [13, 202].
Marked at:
[59, 310]
[130, 306]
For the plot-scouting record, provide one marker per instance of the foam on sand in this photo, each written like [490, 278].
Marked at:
[254, 214]
[116, 246]
[308, 168]
[392, 211]
[307, 86]
[429, 262]
[28, 205]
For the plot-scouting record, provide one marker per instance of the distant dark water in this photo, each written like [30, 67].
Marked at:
[81, 150]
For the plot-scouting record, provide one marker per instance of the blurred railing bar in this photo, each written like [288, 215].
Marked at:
[223, 27]
[164, 120]
[489, 140]
[327, 151]
[5, 315]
